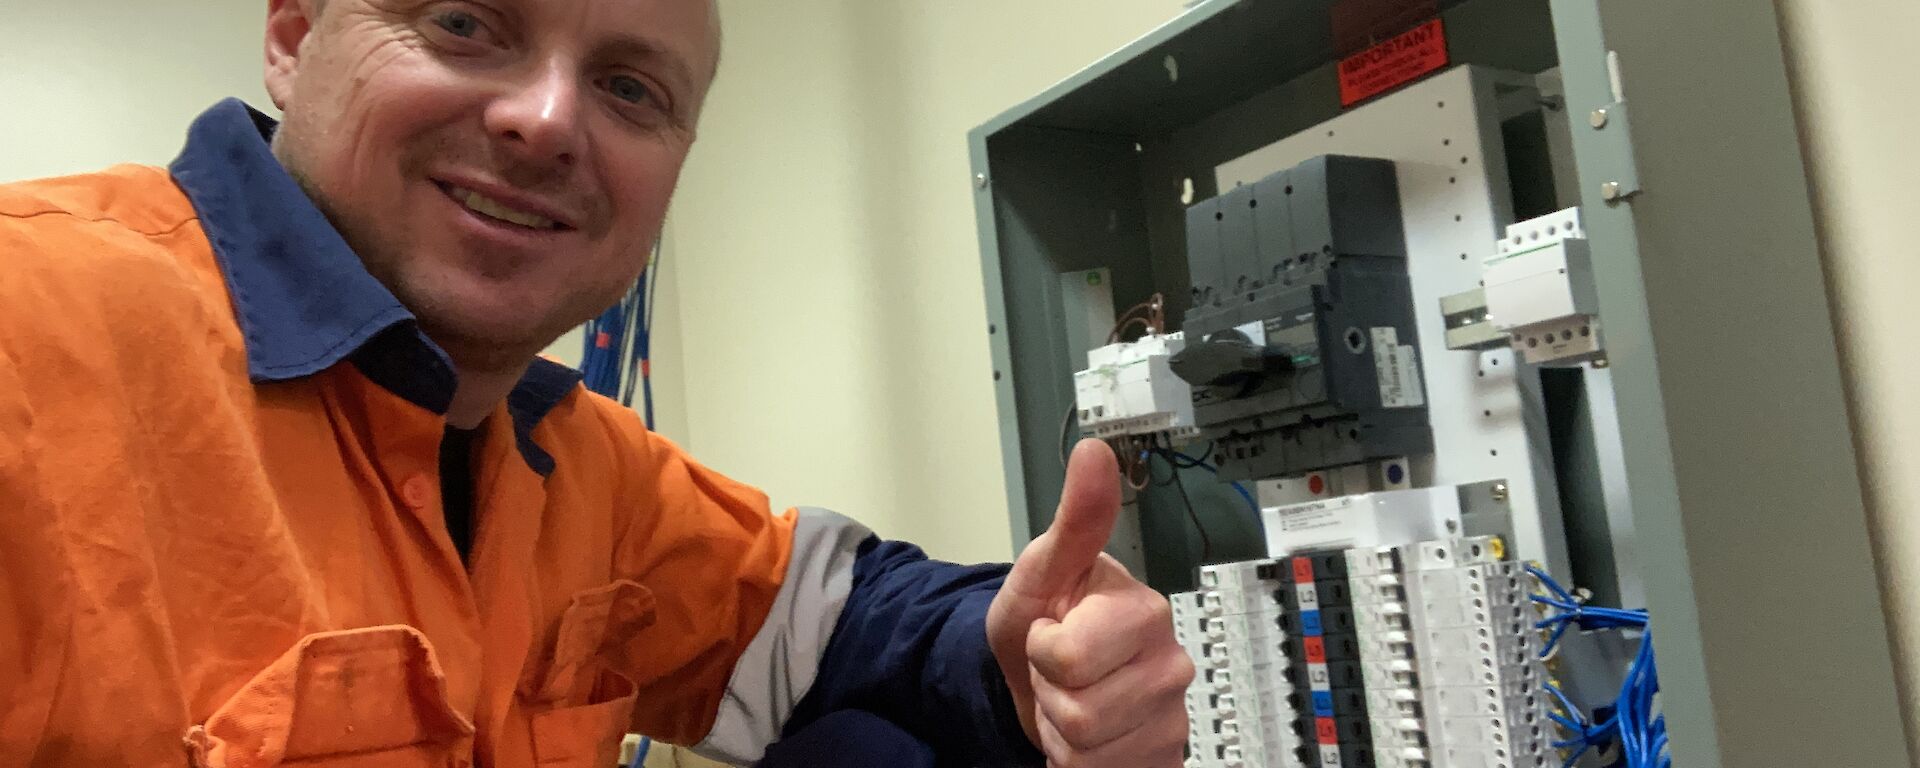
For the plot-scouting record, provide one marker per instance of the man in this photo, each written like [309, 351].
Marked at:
[284, 481]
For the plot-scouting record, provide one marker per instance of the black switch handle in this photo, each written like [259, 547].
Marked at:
[1229, 358]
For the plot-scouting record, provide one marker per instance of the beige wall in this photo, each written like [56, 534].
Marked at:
[88, 83]
[1853, 87]
[834, 323]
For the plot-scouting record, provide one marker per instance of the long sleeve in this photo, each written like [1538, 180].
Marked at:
[818, 617]
[911, 646]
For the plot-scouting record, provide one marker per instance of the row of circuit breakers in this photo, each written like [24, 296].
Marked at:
[1416, 655]
[1378, 634]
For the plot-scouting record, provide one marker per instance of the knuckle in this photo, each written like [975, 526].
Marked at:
[1075, 723]
[1161, 610]
[1066, 657]
[1182, 673]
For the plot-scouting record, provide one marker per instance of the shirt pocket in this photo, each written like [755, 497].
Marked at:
[583, 705]
[358, 697]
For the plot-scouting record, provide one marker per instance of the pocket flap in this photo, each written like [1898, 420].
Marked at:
[596, 632]
[353, 691]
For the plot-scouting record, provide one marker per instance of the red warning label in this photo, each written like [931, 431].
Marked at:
[1393, 63]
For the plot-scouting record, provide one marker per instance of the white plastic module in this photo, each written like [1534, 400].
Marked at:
[1238, 712]
[1129, 389]
[1394, 474]
[1387, 656]
[1421, 654]
[1385, 519]
[1478, 662]
[1539, 287]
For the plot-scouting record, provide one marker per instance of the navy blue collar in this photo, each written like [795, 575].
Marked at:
[303, 299]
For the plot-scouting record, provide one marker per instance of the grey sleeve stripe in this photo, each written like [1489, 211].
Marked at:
[780, 663]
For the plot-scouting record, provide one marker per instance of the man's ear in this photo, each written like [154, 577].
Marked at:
[288, 22]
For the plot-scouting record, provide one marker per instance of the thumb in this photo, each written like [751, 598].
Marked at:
[1089, 504]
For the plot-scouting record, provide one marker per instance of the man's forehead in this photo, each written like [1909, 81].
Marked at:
[688, 30]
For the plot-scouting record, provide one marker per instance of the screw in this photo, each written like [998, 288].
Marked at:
[1598, 119]
[1600, 363]
[980, 180]
[1453, 527]
[1499, 491]
[1610, 191]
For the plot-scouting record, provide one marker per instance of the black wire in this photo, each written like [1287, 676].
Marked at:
[1204, 457]
[1154, 445]
[1206, 542]
[1170, 478]
[1066, 421]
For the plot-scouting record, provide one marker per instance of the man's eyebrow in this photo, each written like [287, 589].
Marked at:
[623, 46]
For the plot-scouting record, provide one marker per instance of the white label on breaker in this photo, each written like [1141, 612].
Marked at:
[1318, 514]
[1398, 370]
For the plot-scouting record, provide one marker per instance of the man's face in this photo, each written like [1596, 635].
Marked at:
[503, 166]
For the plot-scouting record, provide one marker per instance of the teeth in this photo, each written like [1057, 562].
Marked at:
[487, 206]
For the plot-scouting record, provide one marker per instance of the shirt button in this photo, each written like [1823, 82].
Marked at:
[417, 491]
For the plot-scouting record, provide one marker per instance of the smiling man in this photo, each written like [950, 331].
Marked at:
[285, 483]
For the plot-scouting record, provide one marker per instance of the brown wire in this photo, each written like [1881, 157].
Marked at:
[1132, 464]
[1120, 329]
[1155, 317]
[1139, 473]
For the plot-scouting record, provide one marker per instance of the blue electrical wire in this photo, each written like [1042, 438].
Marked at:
[618, 344]
[640, 753]
[1182, 461]
[1640, 734]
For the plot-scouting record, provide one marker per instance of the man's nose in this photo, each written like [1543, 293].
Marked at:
[538, 119]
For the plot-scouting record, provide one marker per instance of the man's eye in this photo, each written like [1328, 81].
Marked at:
[629, 89]
[459, 23]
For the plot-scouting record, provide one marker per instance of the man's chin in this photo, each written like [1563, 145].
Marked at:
[487, 341]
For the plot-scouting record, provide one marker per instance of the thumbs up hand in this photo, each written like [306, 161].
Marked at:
[1088, 651]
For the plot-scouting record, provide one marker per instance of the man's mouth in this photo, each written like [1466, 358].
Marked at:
[500, 211]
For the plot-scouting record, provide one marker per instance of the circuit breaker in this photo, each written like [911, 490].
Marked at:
[1417, 655]
[1301, 346]
[1129, 388]
[1536, 296]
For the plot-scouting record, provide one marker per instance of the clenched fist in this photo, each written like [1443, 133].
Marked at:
[1088, 651]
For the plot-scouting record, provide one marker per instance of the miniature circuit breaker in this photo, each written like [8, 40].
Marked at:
[1421, 655]
[1480, 671]
[1238, 711]
[1128, 388]
[1538, 296]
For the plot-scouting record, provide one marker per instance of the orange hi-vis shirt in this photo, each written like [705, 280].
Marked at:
[222, 540]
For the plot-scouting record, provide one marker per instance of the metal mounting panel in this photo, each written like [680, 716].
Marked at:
[1443, 135]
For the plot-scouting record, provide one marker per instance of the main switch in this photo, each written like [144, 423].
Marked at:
[1300, 343]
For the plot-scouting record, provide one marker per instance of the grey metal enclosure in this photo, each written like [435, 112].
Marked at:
[1702, 468]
